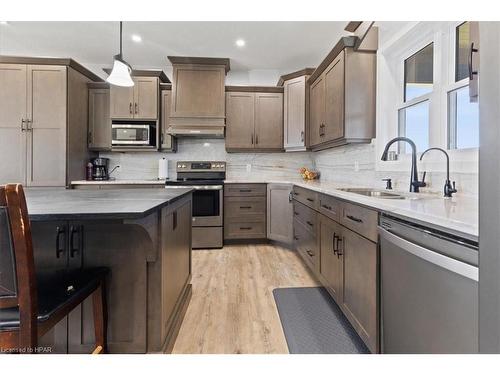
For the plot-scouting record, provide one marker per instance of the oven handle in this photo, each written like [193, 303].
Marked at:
[195, 187]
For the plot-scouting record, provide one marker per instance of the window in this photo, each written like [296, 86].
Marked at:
[463, 120]
[463, 116]
[462, 45]
[419, 73]
[418, 85]
[414, 124]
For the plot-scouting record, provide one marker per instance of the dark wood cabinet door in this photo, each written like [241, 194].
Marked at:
[48, 237]
[360, 285]
[269, 121]
[123, 251]
[240, 120]
[331, 267]
[175, 259]
[334, 99]
[316, 111]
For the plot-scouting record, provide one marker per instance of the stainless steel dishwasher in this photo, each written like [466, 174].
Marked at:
[429, 290]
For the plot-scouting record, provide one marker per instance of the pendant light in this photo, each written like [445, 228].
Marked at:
[120, 74]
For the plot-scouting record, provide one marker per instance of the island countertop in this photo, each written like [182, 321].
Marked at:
[62, 204]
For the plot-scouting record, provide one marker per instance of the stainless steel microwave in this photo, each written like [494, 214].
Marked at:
[131, 135]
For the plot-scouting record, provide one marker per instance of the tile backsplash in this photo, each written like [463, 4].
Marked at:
[144, 165]
[353, 164]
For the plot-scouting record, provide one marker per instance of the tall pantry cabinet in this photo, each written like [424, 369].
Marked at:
[43, 120]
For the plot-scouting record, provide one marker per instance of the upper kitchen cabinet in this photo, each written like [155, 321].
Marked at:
[254, 118]
[139, 102]
[342, 97]
[43, 138]
[167, 141]
[99, 134]
[295, 109]
[198, 104]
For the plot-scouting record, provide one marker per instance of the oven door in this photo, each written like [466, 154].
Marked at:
[207, 206]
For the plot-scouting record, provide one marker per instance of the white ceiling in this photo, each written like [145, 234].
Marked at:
[270, 46]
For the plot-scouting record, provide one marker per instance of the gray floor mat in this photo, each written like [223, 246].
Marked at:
[314, 324]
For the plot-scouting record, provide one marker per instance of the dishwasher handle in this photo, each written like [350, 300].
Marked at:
[453, 265]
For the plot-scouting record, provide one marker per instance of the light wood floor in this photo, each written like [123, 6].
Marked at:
[232, 309]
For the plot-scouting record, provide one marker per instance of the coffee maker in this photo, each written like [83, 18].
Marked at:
[100, 169]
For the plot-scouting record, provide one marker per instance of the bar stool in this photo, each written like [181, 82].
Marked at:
[30, 305]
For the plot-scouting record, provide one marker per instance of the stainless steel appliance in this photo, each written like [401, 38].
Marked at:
[429, 290]
[132, 134]
[207, 179]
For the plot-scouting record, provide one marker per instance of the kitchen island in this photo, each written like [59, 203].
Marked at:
[143, 236]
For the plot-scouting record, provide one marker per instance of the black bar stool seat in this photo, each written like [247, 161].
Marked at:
[56, 292]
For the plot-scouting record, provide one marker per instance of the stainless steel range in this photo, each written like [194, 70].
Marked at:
[207, 179]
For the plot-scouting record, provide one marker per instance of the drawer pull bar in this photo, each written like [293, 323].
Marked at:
[310, 253]
[327, 207]
[310, 199]
[245, 207]
[295, 213]
[245, 228]
[310, 224]
[295, 238]
[354, 219]
[245, 190]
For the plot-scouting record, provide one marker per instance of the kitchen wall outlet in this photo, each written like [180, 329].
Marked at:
[356, 166]
[249, 168]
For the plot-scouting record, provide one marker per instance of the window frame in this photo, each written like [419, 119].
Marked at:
[390, 89]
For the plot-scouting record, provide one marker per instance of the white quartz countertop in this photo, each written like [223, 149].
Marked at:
[119, 182]
[458, 215]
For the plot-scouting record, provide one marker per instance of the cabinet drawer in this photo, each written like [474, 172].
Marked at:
[306, 216]
[308, 197]
[359, 219]
[240, 207]
[245, 190]
[245, 229]
[306, 244]
[329, 207]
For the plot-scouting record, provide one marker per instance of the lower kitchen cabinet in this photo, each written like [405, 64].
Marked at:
[341, 249]
[306, 244]
[244, 211]
[147, 288]
[331, 264]
[280, 213]
[360, 300]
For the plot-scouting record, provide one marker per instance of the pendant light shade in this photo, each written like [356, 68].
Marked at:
[120, 74]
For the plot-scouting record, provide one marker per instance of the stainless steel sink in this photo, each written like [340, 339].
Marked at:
[374, 193]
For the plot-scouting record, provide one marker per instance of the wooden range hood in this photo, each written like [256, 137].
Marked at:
[198, 96]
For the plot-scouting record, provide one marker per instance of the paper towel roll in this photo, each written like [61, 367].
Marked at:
[163, 169]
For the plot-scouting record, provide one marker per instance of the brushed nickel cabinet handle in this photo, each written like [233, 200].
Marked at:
[310, 199]
[251, 138]
[135, 106]
[256, 139]
[130, 108]
[302, 136]
[310, 223]
[310, 253]
[245, 228]
[23, 128]
[329, 208]
[90, 137]
[245, 207]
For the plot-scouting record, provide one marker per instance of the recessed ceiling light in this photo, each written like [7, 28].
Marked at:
[240, 43]
[136, 38]
[4, 23]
